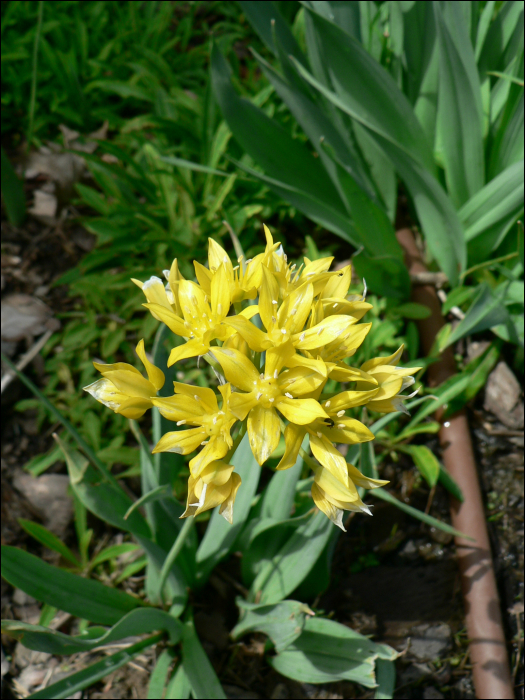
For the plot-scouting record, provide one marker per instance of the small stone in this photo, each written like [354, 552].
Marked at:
[428, 642]
[48, 494]
[502, 397]
[410, 550]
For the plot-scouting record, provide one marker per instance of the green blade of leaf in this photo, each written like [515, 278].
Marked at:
[450, 484]
[159, 675]
[282, 622]
[459, 110]
[116, 550]
[139, 621]
[179, 687]
[48, 539]
[81, 597]
[425, 461]
[415, 513]
[90, 675]
[203, 679]
[486, 311]
[154, 495]
[290, 566]
[386, 679]
[434, 208]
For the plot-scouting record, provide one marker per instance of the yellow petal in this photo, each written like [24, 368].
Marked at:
[214, 450]
[322, 333]
[131, 384]
[268, 294]
[178, 408]
[335, 514]
[293, 438]
[349, 399]
[333, 487]
[216, 255]
[300, 411]
[204, 277]
[220, 294]
[106, 393]
[334, 305]
[242, 404]
[296, 308]
[154, 291]
[327, 455]
[192, 348]
[198, 393]
[300, 380]
[351, 431]
[250, 311]
[377, 361]
[237, 368]
[192, 301]
[217, 473]
[317, 366]
[105, 369]
[337, 285]
[181, 442]
[362, 480]
[264, 432]
[257, 340]
[168, 317]
[155, 375]
[134, 407]
[344, 373]
[226, 510]
[389, 388]
[276, 358]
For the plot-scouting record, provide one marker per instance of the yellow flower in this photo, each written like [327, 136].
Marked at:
[285, 322]
[336, 428]
[124, 389]
[193, 405]
[157, 293]
[244, 279]
[203, 317]
[266, 393]
[392, 381]
[216, 485]
[333, 495]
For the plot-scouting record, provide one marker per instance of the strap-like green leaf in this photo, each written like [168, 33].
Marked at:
[48, 539]
[203, 679]
[90, 675]
[81, 597]
[282, 622]
[140, 621]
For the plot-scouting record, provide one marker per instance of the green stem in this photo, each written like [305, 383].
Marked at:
[86, 449]
[487, 264]
[174, 552]
[310, 461]
[32, 98]
[236, 442]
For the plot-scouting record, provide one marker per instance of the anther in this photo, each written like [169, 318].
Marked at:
[283, 331]
[181, 422]
[327, 404]
[340, 413]
[341, 426]
[319, 435]
[259, 394]
[271, 400]
[276, 374]
[301, 337]
[215, 420]
[289, 395]
[196, 397]
[274, 301]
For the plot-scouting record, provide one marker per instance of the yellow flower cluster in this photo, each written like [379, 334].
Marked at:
[275, 334]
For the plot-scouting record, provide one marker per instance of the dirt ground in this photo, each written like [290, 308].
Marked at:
[392, 578]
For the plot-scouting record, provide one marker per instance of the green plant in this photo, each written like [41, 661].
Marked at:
[284, 544]
[429, 93]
